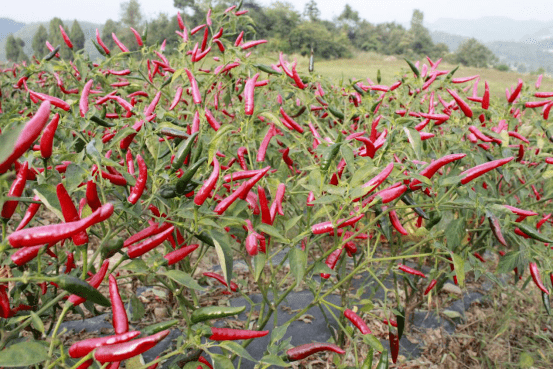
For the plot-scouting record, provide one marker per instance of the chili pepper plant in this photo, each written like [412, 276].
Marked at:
[155, 162]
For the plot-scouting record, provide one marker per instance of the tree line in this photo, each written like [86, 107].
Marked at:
[285, 28]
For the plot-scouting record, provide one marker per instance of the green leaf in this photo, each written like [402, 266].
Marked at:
[449, 181]
[137, 265]
[415, 140]
[526, 360]
[348, 155]
[37, 322]
[153, 145]
[454, 233]
[224, 254]
[259, 264]
[459, 269]
[421, 178]
[508, 262]
[278, 333]
[327, 199]
[23, 354]
[47, 195]
[74, 176]
[214, 143]
[372, 341]
[274, 360]
[183, 279]
[222, 362]
[137, 308]
[292, 222]
[8, 138]
[298, 262]
[272, 231]
[236, 349]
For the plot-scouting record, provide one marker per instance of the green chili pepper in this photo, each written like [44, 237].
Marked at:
[383, 360]
[311, 64]
[52, 53]
[529, 231]
[337, 113]
[400, 319]
[102, 122]
[183, 150]
[214, 312]
[267, 69]
[433, 221]
[451, 73]
[358, 89]
[329, 155]
[204, 237]
[166, 82]
[546, 303]
[109, 250]
[100, 50]
[413, 68]
[81, 288]
[368, 362]
[158, 327]
[187, 176]
[406, 199]
[174, 132]
[198, 151]
[378, 75]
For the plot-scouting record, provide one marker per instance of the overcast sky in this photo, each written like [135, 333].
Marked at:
[375, 11]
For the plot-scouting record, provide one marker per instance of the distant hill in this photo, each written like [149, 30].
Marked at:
[27, 32]
[8, 26]
[489, 29]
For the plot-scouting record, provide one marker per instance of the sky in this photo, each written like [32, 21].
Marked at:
[375, 11]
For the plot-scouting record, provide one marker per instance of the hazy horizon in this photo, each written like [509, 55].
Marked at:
[400, 11]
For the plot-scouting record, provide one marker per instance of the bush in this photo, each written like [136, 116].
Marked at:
[502, 67]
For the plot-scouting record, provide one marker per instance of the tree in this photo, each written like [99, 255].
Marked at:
[131, 15]
[56, 38]
[39, 42]
[311, 11]
[282, 19]
[314, 35]
[349, 21]
[14, 49]
[77, 36]
[109, 27]
[422, 43]
[472, 53]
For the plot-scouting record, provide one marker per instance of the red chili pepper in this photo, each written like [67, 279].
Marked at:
[208, 185]
[265, 143]
[409, 270]
[240, 154]
[249, 44]
[481, 259]
[120, 44]
[234, 286]
[249, 94]
[179, 254]
[297, 79]
[394, 346]
[291, 121]
[486, 97]
[26, 254]
[479, 170]
[47, 138]
[211, 120]
[303, 351]
[57, 232]
[326, 227]
[521, 212]
[94, 282]
[388, 194]
[83, 102]
[147, 232]
[479, 134]
[69, 263]
[264, 208]
[119, 315]
[66, 38]
[332, 261]
[28, 135]
[357, 321]
[177, 98]
[237, 176]
[241, 192]
[196, 97]
[464, 79]
[70, 214]
[430, 287]
[461, 103]
[496, 229]
[537, 277]
[30, 213]
[16, 190]
[92, 196]
[149, 244]
[137, 36]
[5, 309]
[516, 92]
[543, 220]
[53, 100]
[204, 361]
[229, 334]
[276, 206]
[396, 223]
[127, 350]
[148, 111]
[140, 185]
[379, 178]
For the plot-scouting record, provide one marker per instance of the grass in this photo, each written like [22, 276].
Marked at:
[366, 65]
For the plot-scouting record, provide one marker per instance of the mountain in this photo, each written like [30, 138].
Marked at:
[27, 32]
[490, 29]
[8, 26]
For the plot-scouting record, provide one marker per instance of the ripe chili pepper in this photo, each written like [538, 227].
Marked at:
[70, 214]
[57, 232]
[26, 254]
[276, 206]
[127, 350]
[208, 185]
[249, 94]
[496, 229]
[211, 120]
[265, 143]
[84, 347]
[149, 244]
[120, 44]
[137, 36]
[119, 315]
[147, 232]
[357, 321]
[16, 190]
[196, 97]
[179, 254]
[5, 309]
[83, 102]
[394, 346]
[53, 100]
[240, 154]
[47, 138]
[148, 111]
[30, 213]
[388, 194]
[461, 103]
[94, 282]
[310, 198]
[396, 223]
[537, 277]
[241, 192]
[177, 98]
[69, 263]
[264, 209]
[516, 92]
[543, 220]
[430, 286]
[291, 122]
[28, 135]
[326, 227]
[66, 38]
[409, 270]
[220, 279]
[303, 351]
[229, 334]
[140, 185]
[379, 178]
[479, 170]
[92, 196]
[521, 212]
[237, 176]
[204, 361]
